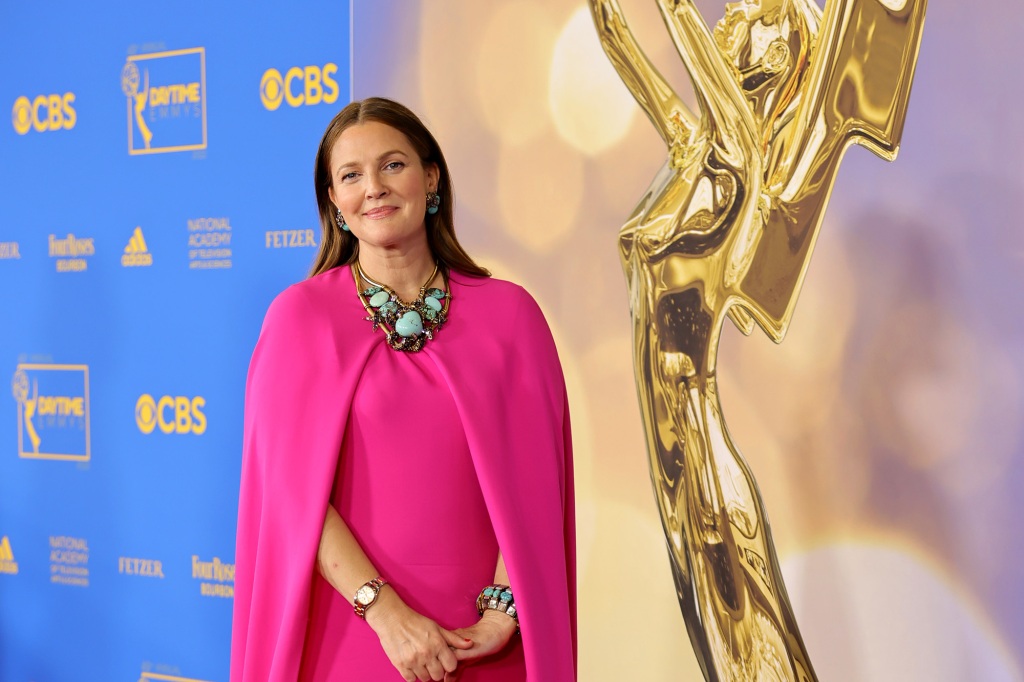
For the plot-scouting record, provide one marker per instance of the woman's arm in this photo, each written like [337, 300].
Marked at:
[507, 624]
[418, 647]
[341, 560]
[492, 632]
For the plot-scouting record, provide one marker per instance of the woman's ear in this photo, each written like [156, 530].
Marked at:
[330, 195]
[433, 176]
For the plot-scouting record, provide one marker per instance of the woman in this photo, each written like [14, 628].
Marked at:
[406, 445]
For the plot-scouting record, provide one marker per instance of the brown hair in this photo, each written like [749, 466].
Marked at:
[338, 247]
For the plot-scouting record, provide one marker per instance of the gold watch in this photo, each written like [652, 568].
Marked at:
[367, 595]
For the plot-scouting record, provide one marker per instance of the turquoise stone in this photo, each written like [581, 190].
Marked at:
[371, 291]
[435, 293]
[489, 592]
[389, 308]
[410, 324]
[379, 299]
[430, 314]
[506, 596]
[432, 302]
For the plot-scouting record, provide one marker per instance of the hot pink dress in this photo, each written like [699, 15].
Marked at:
[407, 488]
[334, 416]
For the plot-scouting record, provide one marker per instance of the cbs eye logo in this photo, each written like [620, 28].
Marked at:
[173, 414]
[300, 86]
[44, 113]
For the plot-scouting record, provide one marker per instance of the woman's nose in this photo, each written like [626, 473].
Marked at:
[375, 187]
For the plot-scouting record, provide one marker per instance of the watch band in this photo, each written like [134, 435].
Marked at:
[363, 600]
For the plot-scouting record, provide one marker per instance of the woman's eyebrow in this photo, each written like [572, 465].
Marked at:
[379, 158]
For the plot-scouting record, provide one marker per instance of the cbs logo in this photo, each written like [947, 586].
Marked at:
[45, 112]
[315, 85]
[173, 414]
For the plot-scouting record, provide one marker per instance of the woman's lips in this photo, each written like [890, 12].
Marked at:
[380, 212]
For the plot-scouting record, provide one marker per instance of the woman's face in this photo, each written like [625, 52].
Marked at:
[380, 185]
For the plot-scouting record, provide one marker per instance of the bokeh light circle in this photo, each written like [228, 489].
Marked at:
[540, 191]
[512, 70]
[591, 107]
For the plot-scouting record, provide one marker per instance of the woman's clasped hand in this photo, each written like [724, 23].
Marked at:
[422, 650]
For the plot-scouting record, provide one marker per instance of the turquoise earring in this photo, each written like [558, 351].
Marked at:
[433, 201]
[341, 221]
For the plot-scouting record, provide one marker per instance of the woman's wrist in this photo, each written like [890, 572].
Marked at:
[505, 622]
[385, 608]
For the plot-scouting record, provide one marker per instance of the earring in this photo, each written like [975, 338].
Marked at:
[341, 221]
[433, 201]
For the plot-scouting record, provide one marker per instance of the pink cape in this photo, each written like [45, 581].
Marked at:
[499, 360]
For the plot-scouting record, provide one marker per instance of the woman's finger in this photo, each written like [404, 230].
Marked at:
[454, 640]
[436, 670]
[447, 659]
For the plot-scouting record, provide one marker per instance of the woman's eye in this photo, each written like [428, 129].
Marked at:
[347, 176]
[394, 165]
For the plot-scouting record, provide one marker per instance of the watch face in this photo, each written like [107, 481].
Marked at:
[365, 595]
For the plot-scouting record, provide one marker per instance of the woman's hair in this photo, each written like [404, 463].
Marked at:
[338, 247]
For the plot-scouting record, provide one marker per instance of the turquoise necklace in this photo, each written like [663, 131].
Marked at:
[407, 326]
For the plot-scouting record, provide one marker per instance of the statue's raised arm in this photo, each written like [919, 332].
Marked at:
[671, 117]
[724, 114]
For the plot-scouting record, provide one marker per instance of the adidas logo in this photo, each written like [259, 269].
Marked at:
[7, 562]
[136, 254]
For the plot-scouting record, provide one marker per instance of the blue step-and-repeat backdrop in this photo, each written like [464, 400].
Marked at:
[155, 194]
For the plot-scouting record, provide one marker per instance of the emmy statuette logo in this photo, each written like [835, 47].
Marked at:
[166, 101]
[53, 411]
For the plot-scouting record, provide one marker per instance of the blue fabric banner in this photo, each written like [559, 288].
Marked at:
[156, 184]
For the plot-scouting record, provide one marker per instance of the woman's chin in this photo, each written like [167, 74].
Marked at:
[389, 239]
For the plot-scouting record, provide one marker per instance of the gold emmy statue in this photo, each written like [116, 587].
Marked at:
[726, 229]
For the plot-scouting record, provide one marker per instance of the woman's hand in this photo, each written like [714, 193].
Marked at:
[419, 648]
[488, 636]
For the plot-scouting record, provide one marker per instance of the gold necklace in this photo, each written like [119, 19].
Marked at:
[407, 326]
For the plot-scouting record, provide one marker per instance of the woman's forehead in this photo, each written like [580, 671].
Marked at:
[366, 141]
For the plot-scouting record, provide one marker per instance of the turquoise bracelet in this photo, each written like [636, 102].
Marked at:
[498, 598]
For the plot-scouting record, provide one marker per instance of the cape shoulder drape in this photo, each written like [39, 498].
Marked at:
[499, 360]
